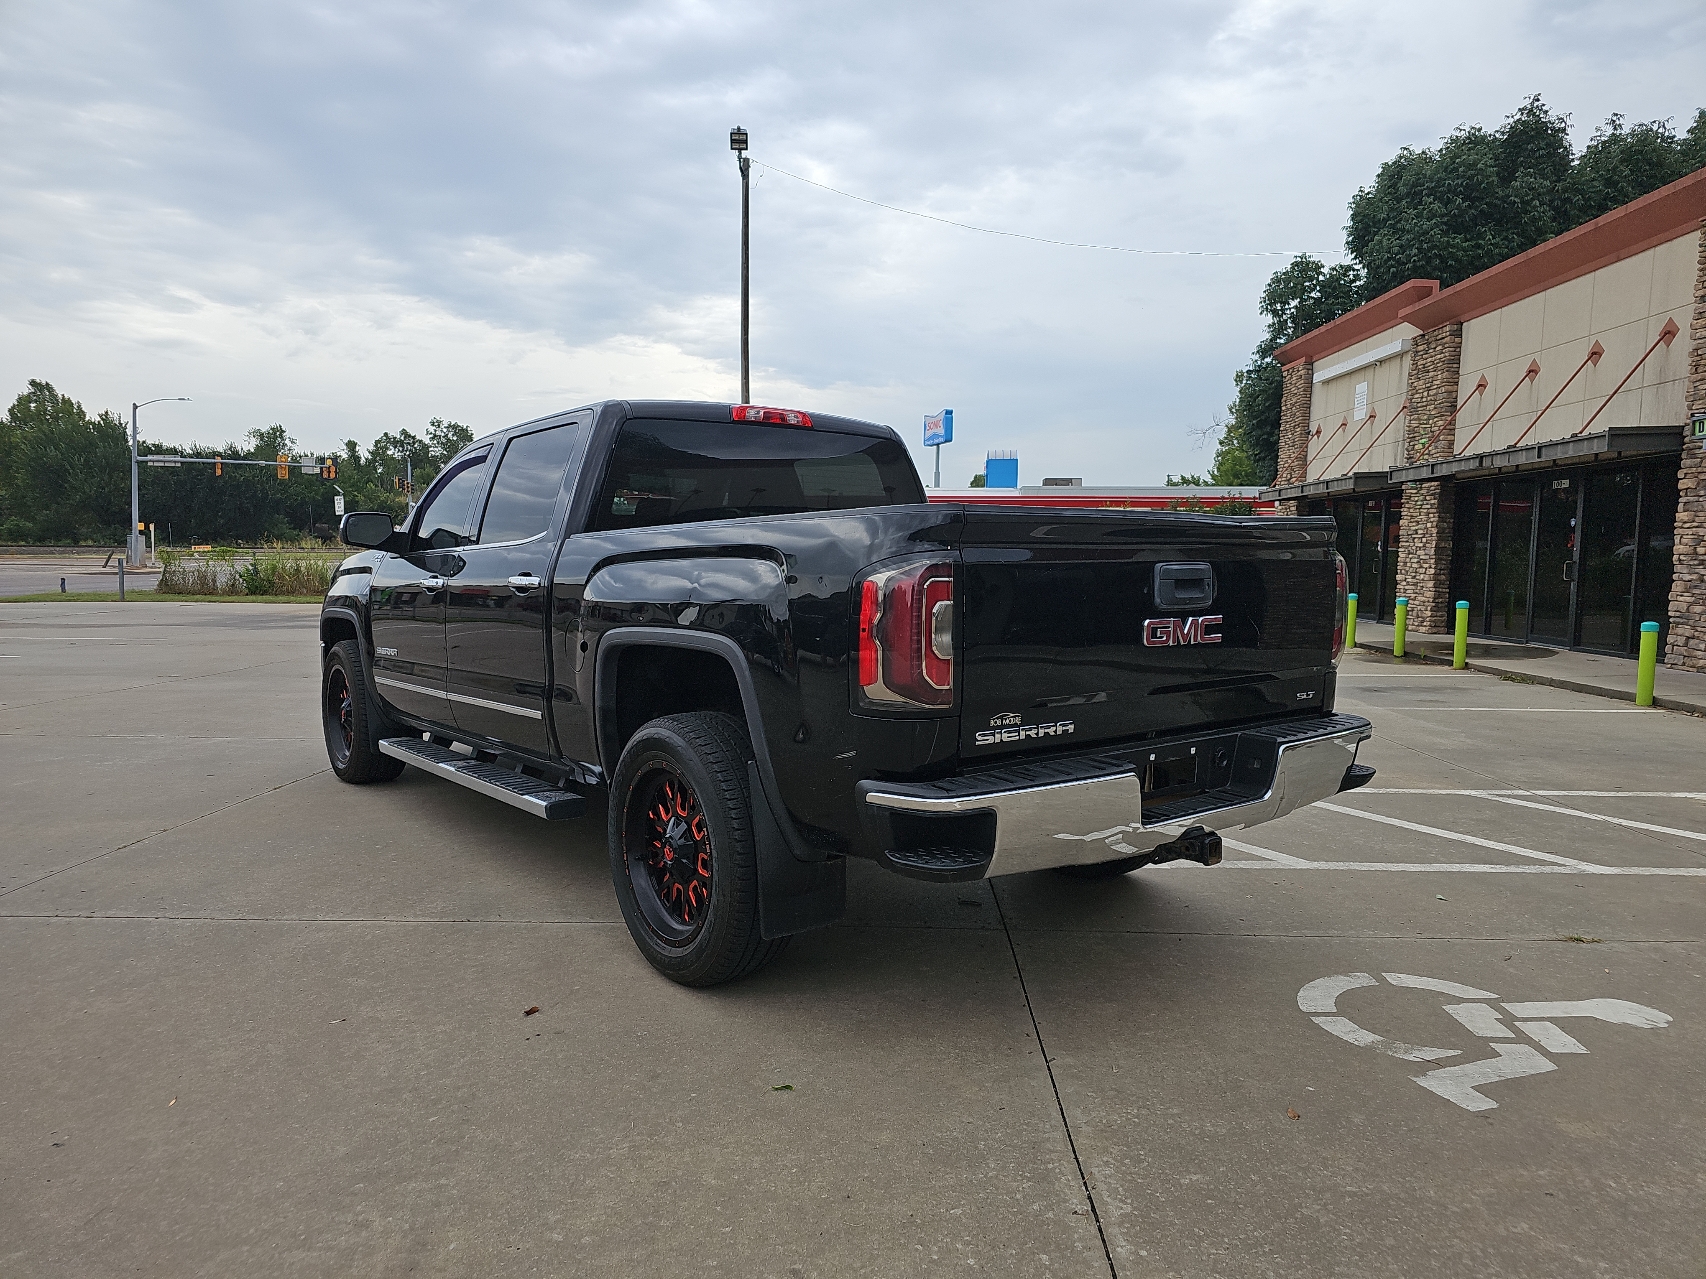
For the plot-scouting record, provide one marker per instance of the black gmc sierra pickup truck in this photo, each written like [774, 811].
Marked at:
[749, 631]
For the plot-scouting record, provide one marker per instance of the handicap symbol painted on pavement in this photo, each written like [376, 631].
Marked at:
[1459, 1084]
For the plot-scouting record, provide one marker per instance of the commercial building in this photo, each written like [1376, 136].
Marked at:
[1529, 440]
[1073, 494]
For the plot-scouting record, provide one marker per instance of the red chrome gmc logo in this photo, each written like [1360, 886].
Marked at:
[1164, 632]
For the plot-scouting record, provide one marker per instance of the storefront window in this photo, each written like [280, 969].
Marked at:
[1513, 535]
[1470, 541]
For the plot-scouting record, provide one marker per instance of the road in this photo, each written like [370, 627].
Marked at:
[32, 575]
[258, 1022]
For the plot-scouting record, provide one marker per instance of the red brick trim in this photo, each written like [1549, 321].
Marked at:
[1355, 326]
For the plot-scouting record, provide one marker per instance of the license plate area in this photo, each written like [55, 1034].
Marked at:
[1172, 773]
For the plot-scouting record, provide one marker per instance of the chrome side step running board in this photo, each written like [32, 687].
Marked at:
[516, 789]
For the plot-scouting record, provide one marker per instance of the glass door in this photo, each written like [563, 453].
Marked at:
[1513, 536]
[1555, 560]
[1606, 589]
[1389, 547]
[1368, 561]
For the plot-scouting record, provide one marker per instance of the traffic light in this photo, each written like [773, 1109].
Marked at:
[283, 466]
[397, 483]
[328, 470]
[219, 466]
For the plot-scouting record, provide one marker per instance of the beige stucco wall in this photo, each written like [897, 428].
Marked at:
[1622, 306]
[1335, 449]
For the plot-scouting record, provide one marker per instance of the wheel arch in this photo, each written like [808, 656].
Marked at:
[721, 658]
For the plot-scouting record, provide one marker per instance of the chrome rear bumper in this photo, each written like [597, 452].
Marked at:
[1070, 813]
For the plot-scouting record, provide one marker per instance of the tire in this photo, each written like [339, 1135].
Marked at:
[1102, 870]
[688, 883]
[353, 724]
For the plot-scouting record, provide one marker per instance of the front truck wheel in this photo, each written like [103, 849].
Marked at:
[352, 722]
[682, 852]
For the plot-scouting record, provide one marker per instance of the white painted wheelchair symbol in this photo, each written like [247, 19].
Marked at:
[1458, 1084]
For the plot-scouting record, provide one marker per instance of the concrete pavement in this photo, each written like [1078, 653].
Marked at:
[259, 1022]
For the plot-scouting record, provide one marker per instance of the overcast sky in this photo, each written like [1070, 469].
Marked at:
[351, 217]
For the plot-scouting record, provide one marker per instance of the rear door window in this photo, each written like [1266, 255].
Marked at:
[526, 486]
[664, 472]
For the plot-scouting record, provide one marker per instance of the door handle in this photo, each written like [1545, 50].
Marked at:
[433, 583]
[523, 582]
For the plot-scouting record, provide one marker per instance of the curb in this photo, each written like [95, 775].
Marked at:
[1551, 681]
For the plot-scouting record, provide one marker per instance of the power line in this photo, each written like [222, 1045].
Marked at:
[1038, 239]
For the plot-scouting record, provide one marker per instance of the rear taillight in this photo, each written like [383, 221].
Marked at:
[770, 417]
[906, 637]
[1341, 603]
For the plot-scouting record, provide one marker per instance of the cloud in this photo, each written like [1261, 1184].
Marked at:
[352, 218]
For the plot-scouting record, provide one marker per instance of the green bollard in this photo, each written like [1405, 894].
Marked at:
[1400, 622]
[1648, 664]
[1460, 645]
[1351, 620]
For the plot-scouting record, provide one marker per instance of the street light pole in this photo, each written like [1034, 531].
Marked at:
[737, 143]
[133, 542]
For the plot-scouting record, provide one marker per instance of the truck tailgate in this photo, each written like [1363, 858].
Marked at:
[1070, 641]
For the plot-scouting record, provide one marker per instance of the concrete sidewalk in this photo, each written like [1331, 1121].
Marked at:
[1594, 673]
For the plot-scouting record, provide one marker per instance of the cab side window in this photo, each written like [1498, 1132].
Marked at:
[526, 486]
[445, 519]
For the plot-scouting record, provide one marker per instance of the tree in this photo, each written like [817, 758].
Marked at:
[1300, 297]
[64, 476]
[1622, 164]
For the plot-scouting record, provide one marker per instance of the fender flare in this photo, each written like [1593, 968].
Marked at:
[363, 641]
[799, 888]
[604, 709]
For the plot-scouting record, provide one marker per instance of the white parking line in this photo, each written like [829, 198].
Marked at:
[1459, 837]
[1469, 868]
[1585, 794]
[1283, 859]
[1593, 817]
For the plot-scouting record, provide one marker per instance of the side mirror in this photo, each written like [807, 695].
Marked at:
[372, 529]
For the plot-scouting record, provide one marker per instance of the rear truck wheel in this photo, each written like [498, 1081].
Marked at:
[682, 853]
[1102, 870]
[353, 723]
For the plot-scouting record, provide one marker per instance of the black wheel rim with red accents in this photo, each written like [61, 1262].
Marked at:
[340, 715]
[667, 845]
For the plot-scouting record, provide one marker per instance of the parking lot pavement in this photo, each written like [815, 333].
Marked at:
[260, 1022]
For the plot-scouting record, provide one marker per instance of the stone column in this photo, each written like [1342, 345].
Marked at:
[1685, 645]
[1297, 386]
[1425, 529]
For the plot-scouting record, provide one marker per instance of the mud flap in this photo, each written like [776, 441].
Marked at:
[793, 896]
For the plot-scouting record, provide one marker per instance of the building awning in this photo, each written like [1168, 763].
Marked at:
[1337, 486]
[1602, 446]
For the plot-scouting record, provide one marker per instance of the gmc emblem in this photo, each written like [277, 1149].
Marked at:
[1164, 632]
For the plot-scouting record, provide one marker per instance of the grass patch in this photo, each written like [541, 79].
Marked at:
[154, 597]
[269, 574]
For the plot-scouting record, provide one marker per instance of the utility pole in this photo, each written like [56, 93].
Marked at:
[737, 144]
[133, 540]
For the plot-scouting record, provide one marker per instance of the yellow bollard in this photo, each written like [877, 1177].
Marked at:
[1460, 645]
[1400, 623]
[1648, 664]
[1351, 620]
